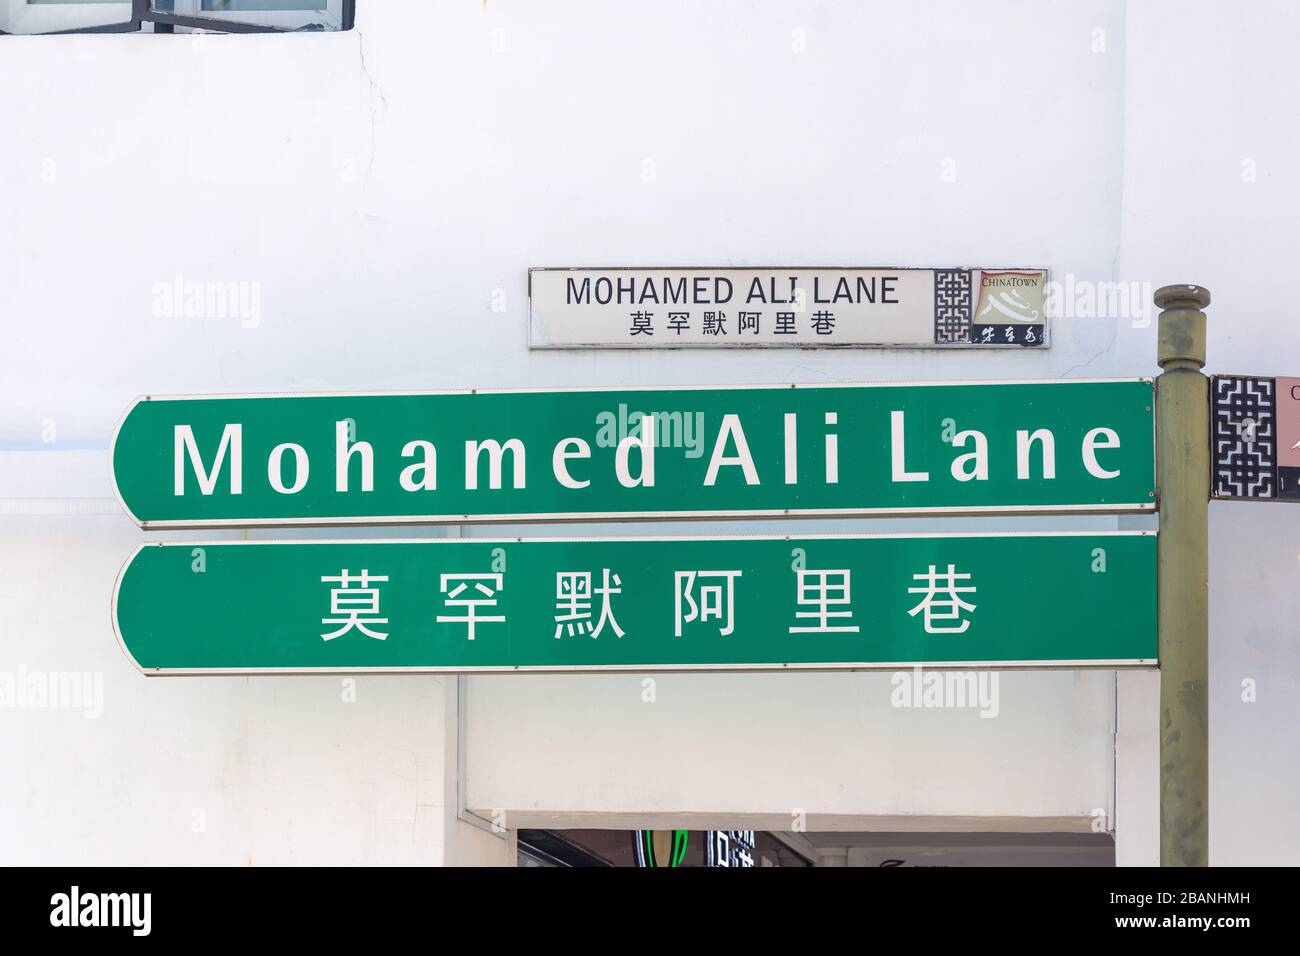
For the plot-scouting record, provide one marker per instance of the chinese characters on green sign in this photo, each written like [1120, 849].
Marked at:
[1010, 600]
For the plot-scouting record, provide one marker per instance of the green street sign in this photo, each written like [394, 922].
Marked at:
[954, 448]
[641, 604]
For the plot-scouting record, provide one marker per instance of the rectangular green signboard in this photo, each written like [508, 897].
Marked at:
[985, 447]
[641, 604]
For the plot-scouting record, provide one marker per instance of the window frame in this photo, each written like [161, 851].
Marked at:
[142, 13]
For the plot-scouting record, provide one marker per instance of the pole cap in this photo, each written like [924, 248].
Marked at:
[1180, 336]
[1185, 295]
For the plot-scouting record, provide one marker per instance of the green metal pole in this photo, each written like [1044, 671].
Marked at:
[1183, 476]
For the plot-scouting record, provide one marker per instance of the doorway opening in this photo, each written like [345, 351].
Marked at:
[745, 848]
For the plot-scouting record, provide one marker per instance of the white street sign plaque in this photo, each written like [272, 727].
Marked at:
[800, 307]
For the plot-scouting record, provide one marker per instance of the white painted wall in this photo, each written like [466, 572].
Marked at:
[239, 771]
[379, 187]
[821, 752]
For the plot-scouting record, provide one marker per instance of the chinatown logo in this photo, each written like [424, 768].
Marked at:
[722, 848]
[660, 847]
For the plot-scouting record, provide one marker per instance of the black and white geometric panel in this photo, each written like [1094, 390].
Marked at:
[952, 306]
[1244, 436]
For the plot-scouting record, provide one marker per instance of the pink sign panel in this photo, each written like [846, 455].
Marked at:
[1288, 437]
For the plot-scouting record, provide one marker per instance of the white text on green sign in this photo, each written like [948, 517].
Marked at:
[616, 453]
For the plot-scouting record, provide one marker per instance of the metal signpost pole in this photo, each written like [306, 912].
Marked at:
[1183, 477]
